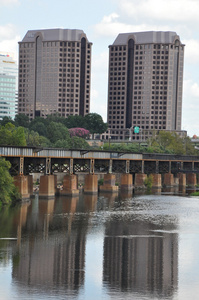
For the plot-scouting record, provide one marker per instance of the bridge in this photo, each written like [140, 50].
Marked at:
[49, 161]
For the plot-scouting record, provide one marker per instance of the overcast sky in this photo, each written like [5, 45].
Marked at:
[102, 21]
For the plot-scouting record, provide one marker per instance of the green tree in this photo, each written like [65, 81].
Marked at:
[79, 143]
[35, 140]
[63, 144]
[21, 120]
[12, 136]
[39, 127]
[75, 121]
[8, 190]
[170, 142]
[57, 131]
[6, 120]
[95, 123]
[189, 147]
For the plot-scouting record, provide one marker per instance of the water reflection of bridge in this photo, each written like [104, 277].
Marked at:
[169, 170]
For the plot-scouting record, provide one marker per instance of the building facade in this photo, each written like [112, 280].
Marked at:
[145, 84]
[54, 73]
[8, 85]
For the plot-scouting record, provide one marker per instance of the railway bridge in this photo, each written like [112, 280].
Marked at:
[166, 169]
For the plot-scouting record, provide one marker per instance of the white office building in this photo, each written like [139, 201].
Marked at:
[8, 85]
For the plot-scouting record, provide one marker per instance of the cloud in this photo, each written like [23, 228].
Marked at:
[190, 107]
[7, 32]
[191, 89]
[9, 39]
[191, 51]
[8, 2]
[111, 26]
[161, 10]
[195, 91]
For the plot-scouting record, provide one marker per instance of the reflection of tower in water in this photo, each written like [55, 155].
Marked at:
[52, 257]
[137, 258]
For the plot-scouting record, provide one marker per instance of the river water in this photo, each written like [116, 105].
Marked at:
[101, 247]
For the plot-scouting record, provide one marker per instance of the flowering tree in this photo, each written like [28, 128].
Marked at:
[79, 132]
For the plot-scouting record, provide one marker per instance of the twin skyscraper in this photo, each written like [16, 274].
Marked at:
[144, 86]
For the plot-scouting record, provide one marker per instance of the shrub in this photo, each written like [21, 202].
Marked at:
[149, 182]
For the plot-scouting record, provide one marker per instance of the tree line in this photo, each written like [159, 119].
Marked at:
[73, 132]
[54, 131]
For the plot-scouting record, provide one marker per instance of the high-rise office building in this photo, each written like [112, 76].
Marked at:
[8, 85]
[54, 73]
[145, 84]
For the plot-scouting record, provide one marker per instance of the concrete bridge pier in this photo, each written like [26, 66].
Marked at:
[21, 182]
[109, 184]
[91, 184]
[127, 182]
[191, 179]
[70, 185]
[168, 180]
[139, 180]
[157, 180]
[182, 179]
[47, 186]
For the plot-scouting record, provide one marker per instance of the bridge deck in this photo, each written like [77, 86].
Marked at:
[10, 151]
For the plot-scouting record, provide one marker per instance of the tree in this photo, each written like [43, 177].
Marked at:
[6, 120]
[74, 121]
[39, 127]
[79, 143]
[189, 147]
[63, 144]
[35, 140]
[95, 123]
[12, 136]
[21, 120]
[170, 142]
[8, 190]
[80, 132]
[57, 131]
[18, 137]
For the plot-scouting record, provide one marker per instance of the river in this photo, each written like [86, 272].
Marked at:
[101, 247]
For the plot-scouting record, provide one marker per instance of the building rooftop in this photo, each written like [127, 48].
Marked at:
[57, 34]
[147, 37]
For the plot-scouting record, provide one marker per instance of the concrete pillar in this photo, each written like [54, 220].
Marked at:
[191, 179]
[109, 184]
[21, 182]
[30, 184]
[169, 166]
[182, 179]
[142, 167]
[127, 182]
[157, 181]
[139, 180]
[168, 179]
[47, 186]
[70, 186]
[91, 184]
